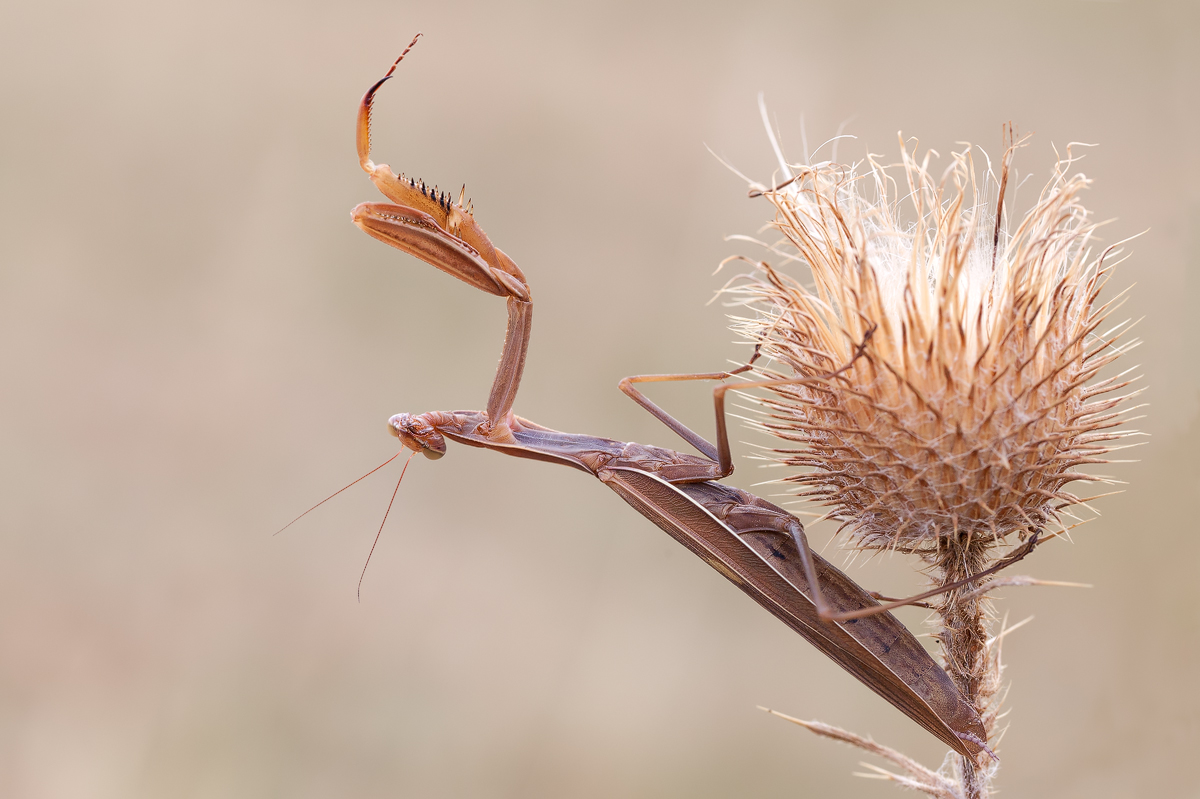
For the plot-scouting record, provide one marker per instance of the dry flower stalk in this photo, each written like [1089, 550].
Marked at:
[975, 403]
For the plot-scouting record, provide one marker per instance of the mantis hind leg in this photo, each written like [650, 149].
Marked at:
[824, 611]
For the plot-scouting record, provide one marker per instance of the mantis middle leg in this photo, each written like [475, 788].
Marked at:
[720, 455]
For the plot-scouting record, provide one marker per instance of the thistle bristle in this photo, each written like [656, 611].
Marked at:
[973, 403]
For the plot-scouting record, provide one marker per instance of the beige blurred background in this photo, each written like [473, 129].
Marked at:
[197, 344]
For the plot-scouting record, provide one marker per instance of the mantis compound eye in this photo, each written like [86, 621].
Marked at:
[418, 435]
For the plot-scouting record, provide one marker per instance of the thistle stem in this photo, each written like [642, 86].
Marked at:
[964, 640]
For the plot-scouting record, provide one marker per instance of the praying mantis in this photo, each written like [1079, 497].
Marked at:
[758, 546]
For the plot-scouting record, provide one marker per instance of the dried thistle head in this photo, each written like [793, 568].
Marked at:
[971, 407]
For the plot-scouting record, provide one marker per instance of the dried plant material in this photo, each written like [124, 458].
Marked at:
[1018, 580]
[971, 410]
[975, 401]
[919, 778]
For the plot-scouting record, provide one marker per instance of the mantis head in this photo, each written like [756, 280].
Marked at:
[418, 435]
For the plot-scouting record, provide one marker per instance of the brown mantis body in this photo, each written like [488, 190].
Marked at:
[759, 547]
[753, 543]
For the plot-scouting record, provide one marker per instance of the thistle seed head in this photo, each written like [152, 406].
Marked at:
[974, 401]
